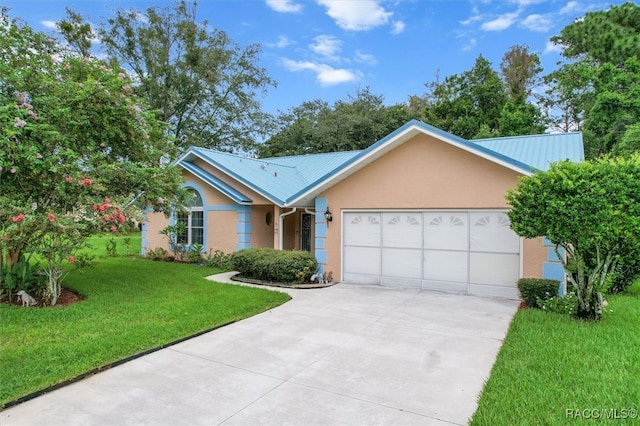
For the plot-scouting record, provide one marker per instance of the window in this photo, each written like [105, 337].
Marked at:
[193, 219]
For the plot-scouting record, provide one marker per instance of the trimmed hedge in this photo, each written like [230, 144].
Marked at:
[281, 266]
[534, 289]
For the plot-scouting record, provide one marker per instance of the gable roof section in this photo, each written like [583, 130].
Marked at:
[394, 139]
[227, 190]
[274, 178]
[296, 180]
[539, 151]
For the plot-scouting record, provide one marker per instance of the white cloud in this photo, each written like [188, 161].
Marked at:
[552, 47]
[502, 22]
[535, 22]
[365, 58]
[49, 25]
[356, 15]
[284, 6]
[283, 41]
[571, 7]
[325, 74]
[327, 46]
[470, 45]
[398, 27]
[471, 19]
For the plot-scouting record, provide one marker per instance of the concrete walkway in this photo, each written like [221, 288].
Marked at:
[342, 355]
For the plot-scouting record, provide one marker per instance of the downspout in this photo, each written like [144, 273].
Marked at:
[281, 224]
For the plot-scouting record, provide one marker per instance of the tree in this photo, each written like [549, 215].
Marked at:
[351, 124]
[78, 33]
[615, 105]
[519, 69]
[597, 90]
[198, 79]
[75, 141]
[463, 104]
[606, 36]
[592, 211]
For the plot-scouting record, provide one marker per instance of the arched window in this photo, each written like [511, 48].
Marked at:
[193, 219]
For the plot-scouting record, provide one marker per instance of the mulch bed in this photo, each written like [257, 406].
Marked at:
[67, 297]
[241, 279]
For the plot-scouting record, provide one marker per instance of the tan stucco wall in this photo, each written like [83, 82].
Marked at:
[154, 223]
[222, 231]
[422, 173]
[261, 232]
[535, 254]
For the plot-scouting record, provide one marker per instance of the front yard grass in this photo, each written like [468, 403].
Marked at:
[132, 305]
[553, 370]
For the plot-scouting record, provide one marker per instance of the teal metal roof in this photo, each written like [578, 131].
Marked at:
[275, 178]
[228, 190]
[295, 180]
[538, 151]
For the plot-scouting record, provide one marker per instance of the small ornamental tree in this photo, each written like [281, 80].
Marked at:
[592, 211]
[72, 134]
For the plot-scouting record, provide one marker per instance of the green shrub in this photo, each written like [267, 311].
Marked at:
[194, 254]
[23, 275]
[565, 305]
[157, 254]
[219, 259]
[532, 289]
[634, 288]
[267, 264]
[627, 271]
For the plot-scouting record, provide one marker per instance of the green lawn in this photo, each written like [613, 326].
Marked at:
[131, 305]
[553, 369]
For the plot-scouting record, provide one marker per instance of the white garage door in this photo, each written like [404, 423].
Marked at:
[472, 251]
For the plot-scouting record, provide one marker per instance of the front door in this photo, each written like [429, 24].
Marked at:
[305, 232]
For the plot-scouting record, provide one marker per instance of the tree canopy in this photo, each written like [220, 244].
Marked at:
[196, 77]
[352, 124]
[596, 90]
[75, 142]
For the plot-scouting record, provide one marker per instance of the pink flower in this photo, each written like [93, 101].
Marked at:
[160, 200]
[51, 217]
[113, 229]
[85, 182]
[72, 259]
[121, 75]
[39, 156]
[69, 179]
[12, 170]
[18, 218]
[20, 122]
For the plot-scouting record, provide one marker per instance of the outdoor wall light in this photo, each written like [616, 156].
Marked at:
[328, 216]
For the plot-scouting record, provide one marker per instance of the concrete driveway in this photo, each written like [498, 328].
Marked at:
[343, 355]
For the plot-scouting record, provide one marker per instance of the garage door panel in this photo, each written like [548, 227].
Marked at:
[362, 229]
[362, 260]
[494, 269]
[446, 266]
[446, 230]
[491, 232]
[403, 263]
[402, 230]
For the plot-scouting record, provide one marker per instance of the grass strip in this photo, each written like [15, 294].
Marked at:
[554, 370]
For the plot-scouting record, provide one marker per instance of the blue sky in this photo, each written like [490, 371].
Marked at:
[327, 49]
